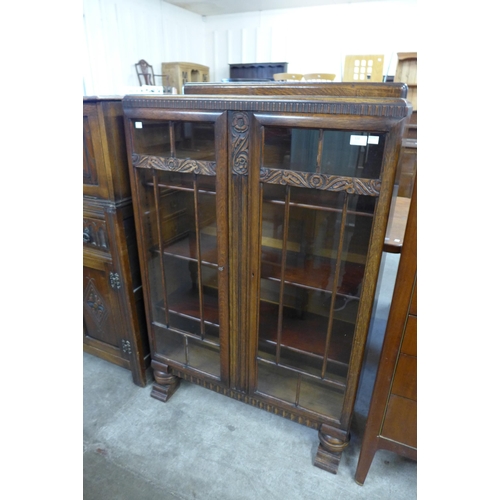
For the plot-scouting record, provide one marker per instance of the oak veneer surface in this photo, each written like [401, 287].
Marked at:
[300, 88]
[392, 416]
[259, 249]
[113, 310]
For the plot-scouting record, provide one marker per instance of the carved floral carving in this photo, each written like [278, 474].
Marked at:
[239, 142]
[174, 164]
[352, 185]
[95, 303]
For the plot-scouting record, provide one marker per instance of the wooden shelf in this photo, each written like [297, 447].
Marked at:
[316, 274]
[307, 335]
[186, 303]
[185, 248]
[175, 187]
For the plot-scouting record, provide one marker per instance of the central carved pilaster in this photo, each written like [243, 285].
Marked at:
[240, 128]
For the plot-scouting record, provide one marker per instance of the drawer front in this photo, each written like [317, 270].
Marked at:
[95, 234]
[410, 337]
[400, 423]
[405, 378]
[174, 215]
[413, 304]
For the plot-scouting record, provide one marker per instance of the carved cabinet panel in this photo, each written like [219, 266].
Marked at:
[261, 222]
[102, 316]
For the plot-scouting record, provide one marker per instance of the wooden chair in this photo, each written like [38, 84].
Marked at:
[145, 73]
[319, 77]
[287, 77]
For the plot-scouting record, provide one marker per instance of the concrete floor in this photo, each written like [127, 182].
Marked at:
[203, 445]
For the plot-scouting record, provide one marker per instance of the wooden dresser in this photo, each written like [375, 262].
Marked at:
[392, 417]
[114, 325]
[176, 74]
[251, 71]
[406, 72]
[261, 222]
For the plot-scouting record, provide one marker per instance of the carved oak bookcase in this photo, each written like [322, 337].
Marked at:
[114, 325]
[261, 223]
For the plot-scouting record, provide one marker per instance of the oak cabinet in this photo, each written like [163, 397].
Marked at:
[261, 222]
[114, 325]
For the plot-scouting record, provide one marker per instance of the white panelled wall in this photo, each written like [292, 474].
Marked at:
[117, 33]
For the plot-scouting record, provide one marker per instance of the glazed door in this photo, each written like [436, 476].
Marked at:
[316, 199]
[180, 183]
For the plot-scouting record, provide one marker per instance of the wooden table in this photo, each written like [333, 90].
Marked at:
[396, 225]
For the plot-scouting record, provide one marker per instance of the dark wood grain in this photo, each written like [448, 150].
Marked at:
[299, 88]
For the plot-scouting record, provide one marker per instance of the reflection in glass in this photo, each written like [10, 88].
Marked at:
[193, 140]
[330, 152]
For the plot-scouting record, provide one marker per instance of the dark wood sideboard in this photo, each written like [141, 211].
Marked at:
[256, 71]
[114, 326]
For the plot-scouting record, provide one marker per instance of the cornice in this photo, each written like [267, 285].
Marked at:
[379, 107]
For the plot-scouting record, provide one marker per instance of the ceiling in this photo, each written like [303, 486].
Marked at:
[219, 7]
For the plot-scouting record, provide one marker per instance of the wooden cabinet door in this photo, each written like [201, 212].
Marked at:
[103, 323]
[95, 182]
[313, 198]
[180, 184]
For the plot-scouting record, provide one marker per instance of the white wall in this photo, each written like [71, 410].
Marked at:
[313, 39]
[117, 33]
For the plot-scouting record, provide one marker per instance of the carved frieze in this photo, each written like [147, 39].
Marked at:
[391, 108]
[353, 185]
[174, 164]
[309, 422]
